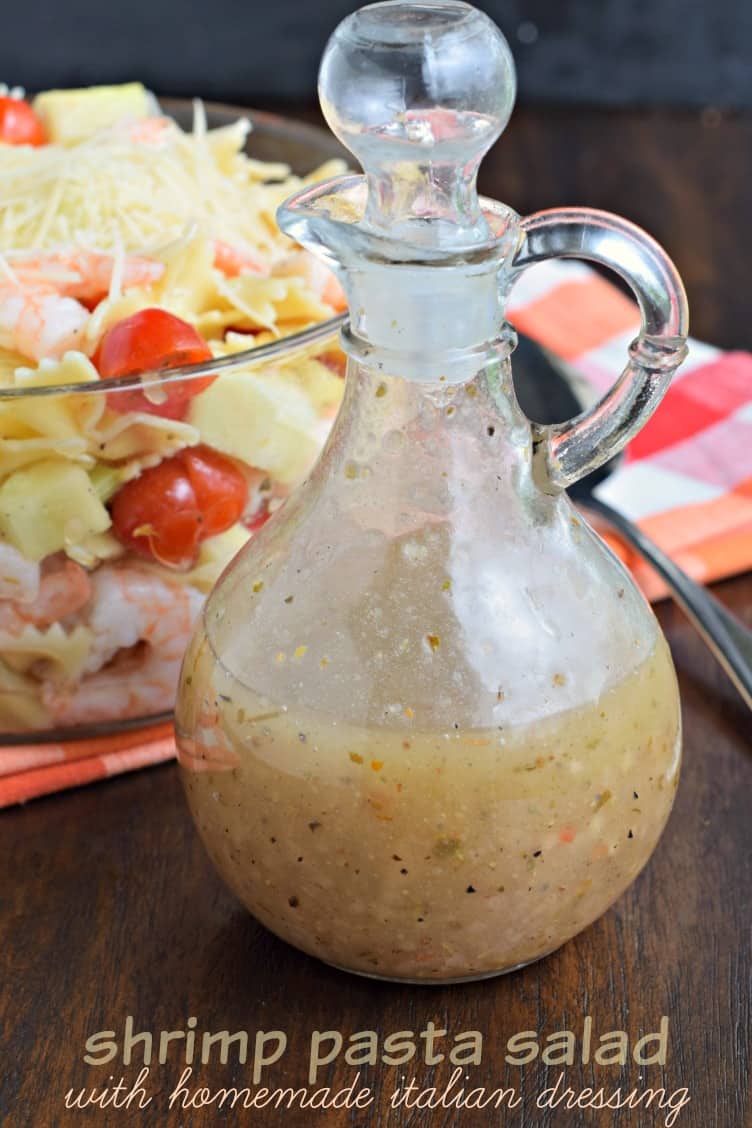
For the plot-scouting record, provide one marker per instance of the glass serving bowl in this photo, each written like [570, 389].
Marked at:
[91, 635]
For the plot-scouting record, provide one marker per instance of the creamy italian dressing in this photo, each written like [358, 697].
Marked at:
[448, 854]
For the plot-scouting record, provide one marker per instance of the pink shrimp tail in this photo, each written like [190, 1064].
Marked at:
[151, 130]
[64, 589]
[83, 275]
[232, 261]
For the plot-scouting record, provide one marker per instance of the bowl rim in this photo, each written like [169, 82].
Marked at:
[325, 332]
[322, 332]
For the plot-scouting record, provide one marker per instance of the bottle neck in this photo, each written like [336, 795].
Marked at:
[410, 446]
[425, 323]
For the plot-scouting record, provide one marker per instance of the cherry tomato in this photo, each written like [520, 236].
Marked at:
[145, 342]
[221, 490]
[166, 512]
[19, 125]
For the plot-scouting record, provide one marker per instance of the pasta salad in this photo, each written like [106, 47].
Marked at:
[129, 245]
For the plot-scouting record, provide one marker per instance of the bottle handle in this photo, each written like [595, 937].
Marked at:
[565, 452]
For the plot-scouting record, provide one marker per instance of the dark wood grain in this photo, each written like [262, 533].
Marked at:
[110, 907]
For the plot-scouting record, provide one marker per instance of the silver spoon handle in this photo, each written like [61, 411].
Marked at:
[728, 639]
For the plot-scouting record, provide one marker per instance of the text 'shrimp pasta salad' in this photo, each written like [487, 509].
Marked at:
[129, 246]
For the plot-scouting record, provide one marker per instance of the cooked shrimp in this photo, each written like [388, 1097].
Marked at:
[41, 296]
[141, 626]
[301, 264]
[233, 260]
[63, 588]
[151, 130]
[39, 324]
[84, 275]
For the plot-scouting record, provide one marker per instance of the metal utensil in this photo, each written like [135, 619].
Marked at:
[546, 396]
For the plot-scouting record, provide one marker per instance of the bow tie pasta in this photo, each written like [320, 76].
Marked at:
[129, 246]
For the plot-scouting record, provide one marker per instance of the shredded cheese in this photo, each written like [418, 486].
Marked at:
[130, 188]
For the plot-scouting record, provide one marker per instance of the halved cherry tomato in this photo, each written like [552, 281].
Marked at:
[144, 342]
[19, 125]
[219, 486]
[166, 512]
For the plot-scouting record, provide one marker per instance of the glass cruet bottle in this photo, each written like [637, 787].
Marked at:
[428, 727]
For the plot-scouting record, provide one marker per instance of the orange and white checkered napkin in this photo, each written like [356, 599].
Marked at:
[686, 480]
[31, 770]
[687, 477]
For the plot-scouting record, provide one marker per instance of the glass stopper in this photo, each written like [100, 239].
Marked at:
[419, 92]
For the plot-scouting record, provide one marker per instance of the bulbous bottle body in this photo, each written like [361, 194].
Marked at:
[428, 727]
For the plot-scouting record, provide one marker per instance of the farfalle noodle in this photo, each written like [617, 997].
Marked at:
[111, 221]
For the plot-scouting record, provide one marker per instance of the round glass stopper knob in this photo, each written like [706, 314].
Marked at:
[419, 92]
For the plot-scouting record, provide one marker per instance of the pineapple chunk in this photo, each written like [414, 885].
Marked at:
[48, 506]
[95, 548]
[72, 115]
[264, 422]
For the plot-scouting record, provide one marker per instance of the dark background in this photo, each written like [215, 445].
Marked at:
[612, 52]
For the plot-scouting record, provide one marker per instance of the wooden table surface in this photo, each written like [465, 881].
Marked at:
[110, 907]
